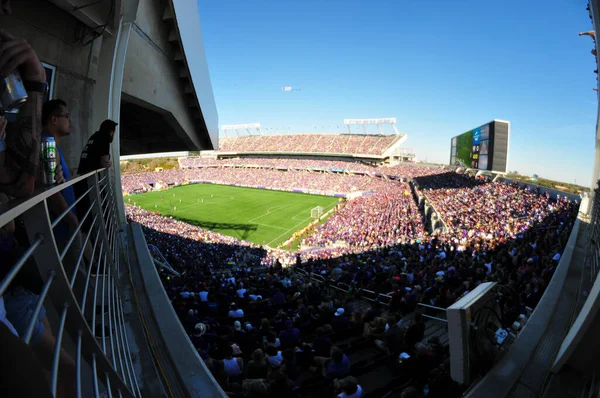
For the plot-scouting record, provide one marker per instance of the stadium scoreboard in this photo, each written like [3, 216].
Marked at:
[484, 147]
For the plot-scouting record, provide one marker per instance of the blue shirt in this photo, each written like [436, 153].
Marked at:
[337, 370]
[62, 229]
[289, 337]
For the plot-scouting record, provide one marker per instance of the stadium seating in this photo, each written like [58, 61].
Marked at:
[496, 232]
[310, 143]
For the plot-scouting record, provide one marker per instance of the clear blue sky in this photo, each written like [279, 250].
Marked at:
[440, 67]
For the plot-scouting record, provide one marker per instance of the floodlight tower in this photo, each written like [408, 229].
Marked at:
[236, 127]
[378, 122]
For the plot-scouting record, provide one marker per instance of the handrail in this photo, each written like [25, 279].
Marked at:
[164, 264]
[430, 203]
[71, 269]
[15, 208]
[333, 284]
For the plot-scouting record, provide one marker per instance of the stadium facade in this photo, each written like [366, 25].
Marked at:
[142, 63]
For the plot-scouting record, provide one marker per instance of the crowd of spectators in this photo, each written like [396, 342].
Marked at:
[276, 333]
[304, 164]
[387, 217]
[281, 174]
[260, 333]
[290, 180]
[187, 245]
[495, 211]
[366, 144]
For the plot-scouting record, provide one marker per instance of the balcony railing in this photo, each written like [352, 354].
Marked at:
[593, 250]
[79, 269]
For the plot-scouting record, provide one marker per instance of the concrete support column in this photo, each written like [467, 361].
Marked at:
[107, 97]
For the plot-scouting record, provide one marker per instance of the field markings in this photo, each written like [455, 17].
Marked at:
[223, 200]
[294, 228]
[277, 208]
[270, 226]
[184, 207]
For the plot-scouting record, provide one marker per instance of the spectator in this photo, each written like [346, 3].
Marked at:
[239, 335]
[338, 366]
[56, 121]
[339, 321]
[271, 340]
[20, 147]
[241, 291]
[292, 367]
[393, 338]
[289, 336]
[96, 153]
[203, 294]
[416, 331]
[235, 312]
[233, 366]
[276, 385]
[322, 345]
[348, 387]
[274, 357]
[258, 367]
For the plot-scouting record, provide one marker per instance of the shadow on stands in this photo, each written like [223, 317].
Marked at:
[197, 254]
[447, 180]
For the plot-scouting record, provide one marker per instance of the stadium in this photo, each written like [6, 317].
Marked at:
[365, 259]
[265, 265]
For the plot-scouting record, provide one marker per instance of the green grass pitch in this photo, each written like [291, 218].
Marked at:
[257, 215]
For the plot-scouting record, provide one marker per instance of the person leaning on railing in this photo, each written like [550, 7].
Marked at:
[95, 155]
[22, 373]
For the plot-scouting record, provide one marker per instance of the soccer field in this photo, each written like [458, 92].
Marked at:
[257, 215]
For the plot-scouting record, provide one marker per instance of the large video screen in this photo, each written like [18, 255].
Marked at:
[481, 148]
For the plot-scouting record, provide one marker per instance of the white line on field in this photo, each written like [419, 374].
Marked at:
[271, 211]
[300, 223]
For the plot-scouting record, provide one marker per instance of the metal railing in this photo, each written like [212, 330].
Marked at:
[369, 295]
[161, 262]
[79, 266]
[432, 215]
[593, 250]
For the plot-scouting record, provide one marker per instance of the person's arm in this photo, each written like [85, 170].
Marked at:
[104, 147]
[19, 167]
[105, 161]
[57, 205]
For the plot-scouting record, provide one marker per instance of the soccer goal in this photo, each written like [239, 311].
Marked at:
[316, 212]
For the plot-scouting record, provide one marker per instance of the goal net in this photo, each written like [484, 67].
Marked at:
[316, 212]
